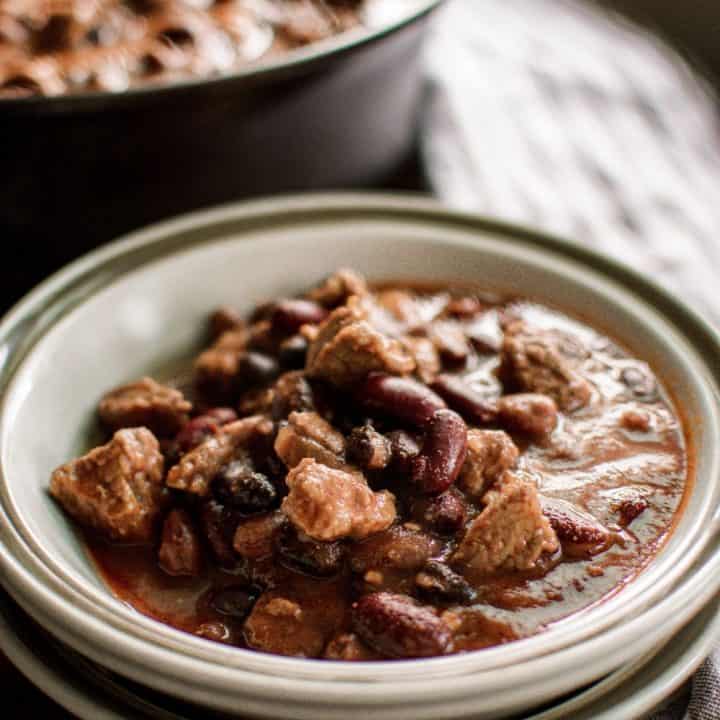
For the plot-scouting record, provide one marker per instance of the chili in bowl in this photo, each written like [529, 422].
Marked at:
[362, 473]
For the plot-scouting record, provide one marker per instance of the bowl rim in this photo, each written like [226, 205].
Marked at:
[29, 310]
[613, 648]
[667, 673]
[110, 695]
[293, 60]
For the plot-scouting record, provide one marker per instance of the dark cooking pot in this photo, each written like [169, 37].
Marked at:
[80, 170]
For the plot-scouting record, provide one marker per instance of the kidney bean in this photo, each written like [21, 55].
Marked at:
[443, 453]
[396, 626]
[401, 398]
[256, 369]
[235, 601]
[580, 533]
[446, 513]
[195, 432]
[404, 448]
[200, 428]
[461, 397]
[438, 583]
[290, 315]
[293, 353]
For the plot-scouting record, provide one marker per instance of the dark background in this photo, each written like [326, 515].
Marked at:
[26, 266]
[693, 25]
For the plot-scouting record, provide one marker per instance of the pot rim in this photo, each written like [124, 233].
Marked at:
[295, 60]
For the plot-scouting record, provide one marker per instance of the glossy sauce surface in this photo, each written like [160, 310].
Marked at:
[621, 459]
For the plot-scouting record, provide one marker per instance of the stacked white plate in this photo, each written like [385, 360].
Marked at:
[137, 304]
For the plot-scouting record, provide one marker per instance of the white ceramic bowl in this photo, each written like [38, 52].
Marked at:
[140, 303]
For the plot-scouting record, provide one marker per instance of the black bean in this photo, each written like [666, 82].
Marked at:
[401, 398]
[235, 602]
[368, 448]
[238, 486]
[404, 448]
[436, 582]
[256, 369]
[179, 36]
[218, 526]
[293, 353]
[318, 559]
[292, 393]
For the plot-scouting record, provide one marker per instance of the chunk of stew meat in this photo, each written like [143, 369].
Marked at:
[328, 504]
[147, 403]
[545, 362]
[348, 348]
[116, 489]
[510, 533]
